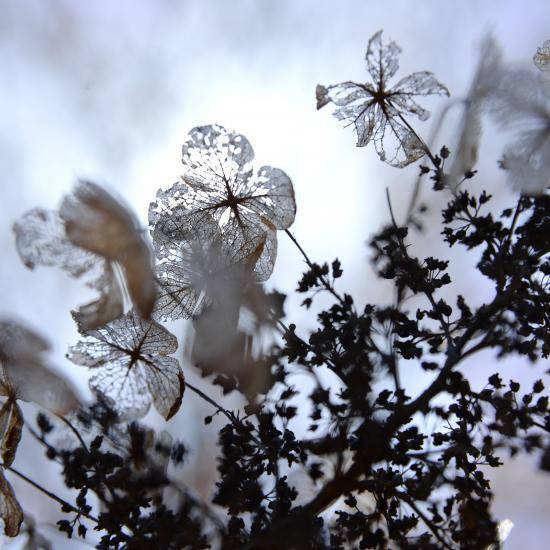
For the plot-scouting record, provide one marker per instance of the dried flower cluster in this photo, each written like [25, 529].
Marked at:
[375, 467]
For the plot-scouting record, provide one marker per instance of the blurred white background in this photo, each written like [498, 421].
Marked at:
[108, 90]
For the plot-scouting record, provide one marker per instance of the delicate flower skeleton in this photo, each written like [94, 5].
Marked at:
[219, 183]
[133, 366]
[377, 111]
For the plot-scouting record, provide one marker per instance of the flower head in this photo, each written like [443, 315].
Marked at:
[91, 231]
[133, 367]
[202, 265]
[376, 110]
[219, 183]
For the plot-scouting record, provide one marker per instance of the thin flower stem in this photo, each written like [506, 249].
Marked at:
[51, 495]
[427, 150]
[74, 430]
[230, 416]
[434, 133]
[429, 524]
[326, 284]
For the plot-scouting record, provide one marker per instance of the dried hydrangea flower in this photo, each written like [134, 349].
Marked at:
[11, 512]
[219, 181]
[485, 77]
[519, 104]
[377, 111]
[201, 265]
[133, 367]
[91, 231]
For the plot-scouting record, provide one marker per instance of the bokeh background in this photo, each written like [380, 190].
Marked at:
[108, 90]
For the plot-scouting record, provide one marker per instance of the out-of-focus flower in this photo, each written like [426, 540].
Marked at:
[202, 265]
[485, 77]
[23, 375]
[91, 231]
[504, 528]
[97, 222]
[377, 111]
[219, 182]
[519, 104]
[133, 366]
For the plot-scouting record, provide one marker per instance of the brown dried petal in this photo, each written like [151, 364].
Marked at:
[11, 425]
[321, 95]
[10, 509]
[97, 222]
[108, 306]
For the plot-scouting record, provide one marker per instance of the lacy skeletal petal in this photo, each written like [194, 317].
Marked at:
[377, 111]
[129, 357]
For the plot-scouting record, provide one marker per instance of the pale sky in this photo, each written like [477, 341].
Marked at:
[108, 91]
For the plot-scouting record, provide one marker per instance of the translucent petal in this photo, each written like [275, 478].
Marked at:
[10, 509]
[527, 162]
[215, 159]
[37, 383]
[40, 240]
[272, 195]
[177, 299]
[382, 62]
[393, 135]
[129, 358]
[485, 77]
[108, 306]
[123, 389]
[166, 384]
